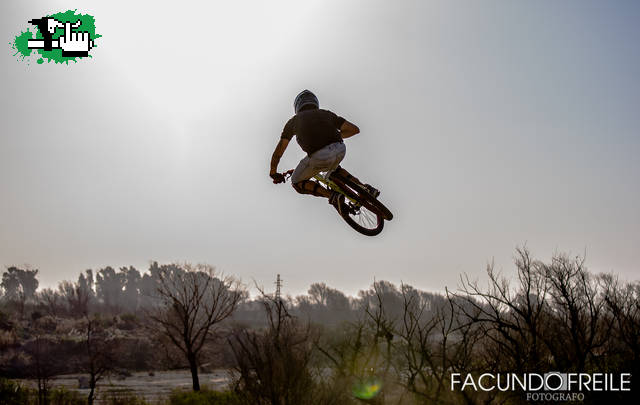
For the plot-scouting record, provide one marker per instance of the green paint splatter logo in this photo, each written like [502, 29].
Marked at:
[59, 38]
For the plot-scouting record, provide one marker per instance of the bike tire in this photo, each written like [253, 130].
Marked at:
[360, 219]
[365, 198]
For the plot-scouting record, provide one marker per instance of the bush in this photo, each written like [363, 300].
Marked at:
[46, 323]
[121, 397]
[63, 396]
[5, 321]
[128, 321]
[273, 366]
[203, 397]
[12, 393]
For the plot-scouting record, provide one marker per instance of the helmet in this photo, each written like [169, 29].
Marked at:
[303, 99]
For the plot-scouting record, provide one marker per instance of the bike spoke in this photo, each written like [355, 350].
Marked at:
[354, 208]
[365, 218]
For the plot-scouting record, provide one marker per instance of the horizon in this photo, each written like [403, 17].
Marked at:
[254, 290]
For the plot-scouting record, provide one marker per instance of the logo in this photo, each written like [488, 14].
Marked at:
[58, 38]
[552, 386]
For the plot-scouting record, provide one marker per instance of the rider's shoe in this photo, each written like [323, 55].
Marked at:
[372, 190]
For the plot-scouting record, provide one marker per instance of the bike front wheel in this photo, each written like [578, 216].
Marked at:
[359, 217]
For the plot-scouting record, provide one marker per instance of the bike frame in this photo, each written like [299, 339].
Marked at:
[322, 179]
[365, 216]
[333, 186]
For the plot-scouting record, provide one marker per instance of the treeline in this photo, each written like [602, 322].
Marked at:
[128, 292]
[107, 291]
[390, 344]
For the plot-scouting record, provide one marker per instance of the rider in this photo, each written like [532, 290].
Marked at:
[319, 133]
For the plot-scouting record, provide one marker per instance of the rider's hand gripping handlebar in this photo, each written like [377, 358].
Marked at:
[281, 177]
[277, 178]
[287, 175]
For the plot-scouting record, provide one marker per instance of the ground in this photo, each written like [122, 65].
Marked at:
[150, 387]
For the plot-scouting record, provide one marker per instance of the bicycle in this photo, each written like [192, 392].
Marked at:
[356, 205]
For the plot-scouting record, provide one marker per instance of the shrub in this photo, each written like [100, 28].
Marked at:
[7, 339]
[128, 321]
[63, 396]
[12, 393]
[122, 397]
[203, 397]
[5, 321]
[273, 366]
[46, 323]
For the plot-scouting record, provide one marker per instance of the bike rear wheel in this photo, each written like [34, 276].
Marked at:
[359, 217]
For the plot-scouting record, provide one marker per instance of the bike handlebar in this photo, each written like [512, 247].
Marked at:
[287, 174]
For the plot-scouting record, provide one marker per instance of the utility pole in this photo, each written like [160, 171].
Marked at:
[278, 288]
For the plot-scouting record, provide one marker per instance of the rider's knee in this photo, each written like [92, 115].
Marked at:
[341, 171]
[299, 186]
[308, 187]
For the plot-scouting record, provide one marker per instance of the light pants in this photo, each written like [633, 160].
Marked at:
[326, 159]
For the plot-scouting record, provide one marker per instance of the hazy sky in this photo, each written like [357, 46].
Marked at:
[486, 124]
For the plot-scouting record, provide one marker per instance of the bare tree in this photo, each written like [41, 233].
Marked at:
[362, 354]
[195, 300]
[417, 333]
[43, 363]
[99, 355]
[51, 300]
[578, 327]
[623, 302]
[434, 341]
[273, 365]
[380, 315]
[512, 319]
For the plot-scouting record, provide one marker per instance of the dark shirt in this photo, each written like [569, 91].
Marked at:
[314, 129]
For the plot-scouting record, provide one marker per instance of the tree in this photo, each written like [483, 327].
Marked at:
[148, 287]
[385, 292]
[109, 288]
[273, 366]
[51, 300]
[514, 320]
[578, 326]
[623, 303]
[99, 354]
[324, 304]
[76, 298]
[434, 343]
[19, 286]
[44, 363]
[195, 300]
[319, 293]
[130, 294]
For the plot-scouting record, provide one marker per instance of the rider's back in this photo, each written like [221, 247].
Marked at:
[314, 129]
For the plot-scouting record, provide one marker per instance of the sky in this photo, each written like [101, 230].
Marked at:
[486, 125]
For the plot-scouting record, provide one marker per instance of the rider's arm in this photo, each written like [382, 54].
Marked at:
[348, 129]
[277, 154]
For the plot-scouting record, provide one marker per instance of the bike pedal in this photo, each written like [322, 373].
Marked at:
[374, 192]
[353, 209]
